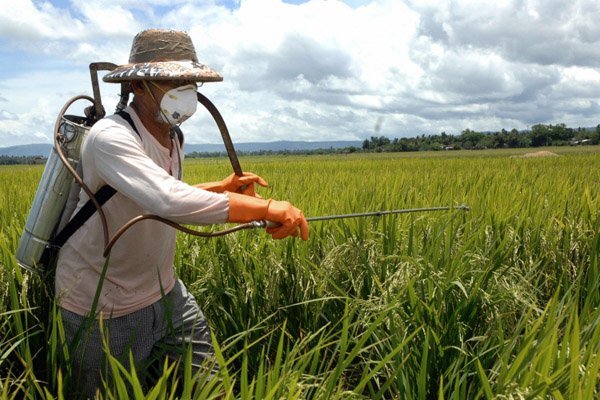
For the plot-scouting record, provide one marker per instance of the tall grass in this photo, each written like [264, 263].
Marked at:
[500, 302]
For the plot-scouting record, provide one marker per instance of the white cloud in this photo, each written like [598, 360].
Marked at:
[22, 21]
[105, 18]
[324, 69]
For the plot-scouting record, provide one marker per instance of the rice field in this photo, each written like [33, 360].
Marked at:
[500, 302]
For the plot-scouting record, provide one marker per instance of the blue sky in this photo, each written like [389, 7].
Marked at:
[319, 69]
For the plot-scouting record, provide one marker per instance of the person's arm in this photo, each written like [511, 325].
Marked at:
[122, 163]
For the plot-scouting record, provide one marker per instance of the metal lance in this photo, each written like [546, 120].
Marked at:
[462, 207]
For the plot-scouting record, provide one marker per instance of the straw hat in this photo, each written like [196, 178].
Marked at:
[158, 54]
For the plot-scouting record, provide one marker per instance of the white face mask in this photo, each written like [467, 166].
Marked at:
[178, 104]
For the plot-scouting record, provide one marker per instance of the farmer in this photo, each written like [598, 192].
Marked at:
[143, 306]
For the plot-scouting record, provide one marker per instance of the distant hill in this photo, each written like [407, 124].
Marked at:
[43, 149]
[27, 150]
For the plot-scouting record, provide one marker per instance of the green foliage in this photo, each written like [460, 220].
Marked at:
[539, 135]
[501, 302]
[16, 160]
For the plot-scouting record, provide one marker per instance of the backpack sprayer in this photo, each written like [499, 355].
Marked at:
[57, 194]
[58, 191]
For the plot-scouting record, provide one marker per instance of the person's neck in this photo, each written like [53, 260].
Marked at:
[159, 130]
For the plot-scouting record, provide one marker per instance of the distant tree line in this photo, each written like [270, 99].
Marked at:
[539, 135]
[14, 160]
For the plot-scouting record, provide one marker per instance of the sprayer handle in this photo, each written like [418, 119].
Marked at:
[263, 223]
[98, 109]
[271, 224]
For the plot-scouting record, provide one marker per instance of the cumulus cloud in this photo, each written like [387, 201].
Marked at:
[322, 69]
[299, 68]
[535, 31]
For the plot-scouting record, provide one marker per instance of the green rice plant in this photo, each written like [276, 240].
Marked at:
[499, 302]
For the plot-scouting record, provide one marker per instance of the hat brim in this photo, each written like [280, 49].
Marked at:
[184, 70]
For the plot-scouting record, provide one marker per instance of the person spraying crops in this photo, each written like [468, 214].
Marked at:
[138, 152]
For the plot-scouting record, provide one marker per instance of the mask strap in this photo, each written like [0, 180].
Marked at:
[152, 94]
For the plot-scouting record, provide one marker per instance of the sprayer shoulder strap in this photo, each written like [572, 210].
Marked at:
[84, 213]
[127, 118]
[102, 196]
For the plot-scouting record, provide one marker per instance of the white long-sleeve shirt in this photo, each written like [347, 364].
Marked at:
[141, 262]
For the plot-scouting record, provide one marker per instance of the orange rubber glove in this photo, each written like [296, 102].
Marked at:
[233, 183]
[245, 209]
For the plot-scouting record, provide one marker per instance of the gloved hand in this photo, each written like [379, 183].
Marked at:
[245, 209]
[233, 183]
